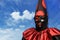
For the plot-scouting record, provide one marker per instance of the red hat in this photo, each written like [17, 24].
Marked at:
[41, 8]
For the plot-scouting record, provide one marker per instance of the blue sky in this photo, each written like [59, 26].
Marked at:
[17, 15]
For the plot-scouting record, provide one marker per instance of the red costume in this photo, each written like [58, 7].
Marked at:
[41, 32]
[32, 34]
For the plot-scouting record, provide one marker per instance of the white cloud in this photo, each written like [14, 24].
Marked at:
[21, 26]
[26, 15]
[10, 34]
[16, 18]
[15, 15]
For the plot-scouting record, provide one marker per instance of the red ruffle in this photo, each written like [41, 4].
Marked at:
[32, 34]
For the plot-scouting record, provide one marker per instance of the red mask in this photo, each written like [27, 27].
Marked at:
[40, 19]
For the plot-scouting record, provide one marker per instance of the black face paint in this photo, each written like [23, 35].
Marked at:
[40, 19]
[43, 20]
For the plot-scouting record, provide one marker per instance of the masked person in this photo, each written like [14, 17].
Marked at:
[41, 32]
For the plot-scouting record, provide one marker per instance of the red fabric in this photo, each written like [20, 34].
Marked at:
[39, 13]
[43, 4]
[32, 34]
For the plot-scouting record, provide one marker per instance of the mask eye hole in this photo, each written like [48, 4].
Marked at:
[42, 20]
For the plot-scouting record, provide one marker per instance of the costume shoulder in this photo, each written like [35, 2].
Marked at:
[54, 31]
[28, 32]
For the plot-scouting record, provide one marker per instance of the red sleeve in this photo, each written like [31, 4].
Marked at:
[54, 31]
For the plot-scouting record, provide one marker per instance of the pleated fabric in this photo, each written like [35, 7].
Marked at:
[32, 34]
